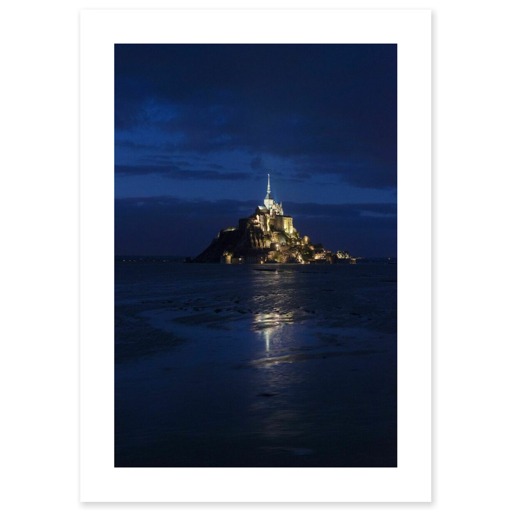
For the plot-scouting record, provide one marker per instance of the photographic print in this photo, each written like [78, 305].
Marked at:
[256, 255]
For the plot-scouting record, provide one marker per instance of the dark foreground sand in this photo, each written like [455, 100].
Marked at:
[234, 366]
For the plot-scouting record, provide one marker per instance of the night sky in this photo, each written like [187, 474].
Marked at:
[198, 127]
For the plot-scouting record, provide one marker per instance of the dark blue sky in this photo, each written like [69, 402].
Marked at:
[197, 128]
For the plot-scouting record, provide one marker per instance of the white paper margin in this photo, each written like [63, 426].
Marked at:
[100, 481]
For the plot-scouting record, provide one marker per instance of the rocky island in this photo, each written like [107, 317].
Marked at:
[267, 236]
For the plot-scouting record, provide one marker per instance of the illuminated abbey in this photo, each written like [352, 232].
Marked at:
[271, 218]
[267, 236]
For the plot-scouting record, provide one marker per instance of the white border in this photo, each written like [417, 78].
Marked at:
[100, 481]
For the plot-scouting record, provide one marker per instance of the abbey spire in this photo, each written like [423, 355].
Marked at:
[268, 201]
[273, 207]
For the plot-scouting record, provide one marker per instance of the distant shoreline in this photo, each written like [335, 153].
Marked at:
[182, 259]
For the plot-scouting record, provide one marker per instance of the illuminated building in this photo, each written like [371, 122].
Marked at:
[267, 236]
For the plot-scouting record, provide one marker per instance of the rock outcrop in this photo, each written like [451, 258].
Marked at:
[267, 236]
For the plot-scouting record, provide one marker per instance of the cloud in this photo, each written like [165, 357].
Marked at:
[324, 109]
[257, 163]
[360, 170]
[175, 172]
[343, 210]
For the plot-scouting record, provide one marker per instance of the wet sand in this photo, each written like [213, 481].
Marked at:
[230, 366]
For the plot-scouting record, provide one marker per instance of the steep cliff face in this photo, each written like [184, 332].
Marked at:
[224, 242]
[233, 245]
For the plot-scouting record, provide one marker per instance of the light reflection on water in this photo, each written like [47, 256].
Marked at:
[267, 327]
[278, 419]
[278, 285]
[268, 360]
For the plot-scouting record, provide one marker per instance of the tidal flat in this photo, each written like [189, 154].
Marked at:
[254, 366]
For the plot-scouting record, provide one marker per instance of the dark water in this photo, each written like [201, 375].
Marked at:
[236, 366]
